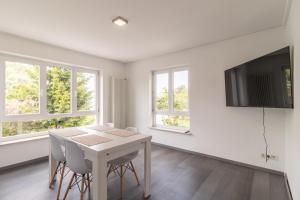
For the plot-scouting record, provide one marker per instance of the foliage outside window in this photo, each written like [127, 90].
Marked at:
[27, 85]
[21, 88]
[58, 90]
[25, 127]
[170, 99]
[86, 91]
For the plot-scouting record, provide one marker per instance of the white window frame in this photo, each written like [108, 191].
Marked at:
[170, 111]
[43, 114]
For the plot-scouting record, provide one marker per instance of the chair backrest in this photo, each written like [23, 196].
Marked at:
[132, 129]
[57, 147]
[109, 125]
[75, 157]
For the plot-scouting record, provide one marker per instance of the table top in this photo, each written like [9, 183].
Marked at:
[116, 141]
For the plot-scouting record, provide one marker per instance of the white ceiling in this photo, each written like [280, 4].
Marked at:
[155, 27]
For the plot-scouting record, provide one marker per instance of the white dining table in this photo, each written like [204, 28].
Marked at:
[100, 154]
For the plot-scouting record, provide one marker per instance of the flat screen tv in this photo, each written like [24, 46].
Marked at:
[263, 82]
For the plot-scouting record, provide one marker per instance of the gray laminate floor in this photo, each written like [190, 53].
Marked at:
[175, 176]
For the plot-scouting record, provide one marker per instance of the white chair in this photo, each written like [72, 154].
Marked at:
[132, 129]
[57, 152]
[109, 125]
[120, 165]
[80, 166]
[105, 126]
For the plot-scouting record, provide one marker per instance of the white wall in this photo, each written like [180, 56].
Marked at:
[23, 151]
[292, 167]
[14, 153]
[232, 133]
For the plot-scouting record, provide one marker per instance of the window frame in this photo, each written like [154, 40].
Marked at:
[43, 112]
[170, 111]
[97, 82]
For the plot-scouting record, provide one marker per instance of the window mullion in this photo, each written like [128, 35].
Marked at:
[43, 90]
[2, 93]
[98, 86]
[1, 130]
[153, 109]
[170, 91]
[154, 93]
[74, 91]
[2, 89]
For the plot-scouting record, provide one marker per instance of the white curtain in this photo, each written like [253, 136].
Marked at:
[118, 102]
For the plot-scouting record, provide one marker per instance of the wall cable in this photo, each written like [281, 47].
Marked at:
[265, 137]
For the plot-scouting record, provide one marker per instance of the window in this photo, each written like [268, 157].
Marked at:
[86, 91]
[58, 90]
[162, 92]
[21, 88]
[36, 96]
[171, 99]
[27, 127]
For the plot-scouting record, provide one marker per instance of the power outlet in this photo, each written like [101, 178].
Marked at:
[270, 157]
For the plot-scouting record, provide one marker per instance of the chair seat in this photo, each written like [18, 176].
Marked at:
[124, 159]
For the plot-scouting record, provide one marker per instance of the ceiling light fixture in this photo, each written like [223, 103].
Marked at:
[120, 21]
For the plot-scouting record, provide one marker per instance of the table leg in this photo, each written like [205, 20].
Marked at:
[147, 170]
[99, 184]
[52, 165]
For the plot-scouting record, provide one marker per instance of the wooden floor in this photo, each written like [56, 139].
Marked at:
[175, 176]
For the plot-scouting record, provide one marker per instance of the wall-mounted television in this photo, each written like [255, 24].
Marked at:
[263, 82]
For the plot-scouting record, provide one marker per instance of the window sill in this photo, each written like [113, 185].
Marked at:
[31, 137]
[15, 141]
[184, 132]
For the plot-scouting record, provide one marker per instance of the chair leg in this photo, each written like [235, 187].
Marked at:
[82, 187]
[61, 179]
[54, 174]
[89, 182]
[121, 181]
[69, 186]
[109, 170]
[135, 174]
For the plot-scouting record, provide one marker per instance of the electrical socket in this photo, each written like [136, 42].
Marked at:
[270, 157]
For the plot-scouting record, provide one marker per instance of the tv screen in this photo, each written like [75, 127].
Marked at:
[263, 82]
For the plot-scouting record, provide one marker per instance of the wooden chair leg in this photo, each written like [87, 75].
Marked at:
[109, 170]
[135, 174]
[69, 186]
[82, 187]
[89, 182]
[61, 179]
[54, 174]
[121, 181]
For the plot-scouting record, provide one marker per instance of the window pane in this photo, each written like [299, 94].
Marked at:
[173, 121]
[58, 90]
[78, 121]
[180, 89]
[86, 91]
[9, 128]
[21, 88]
[162, 87]
[17, 128]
